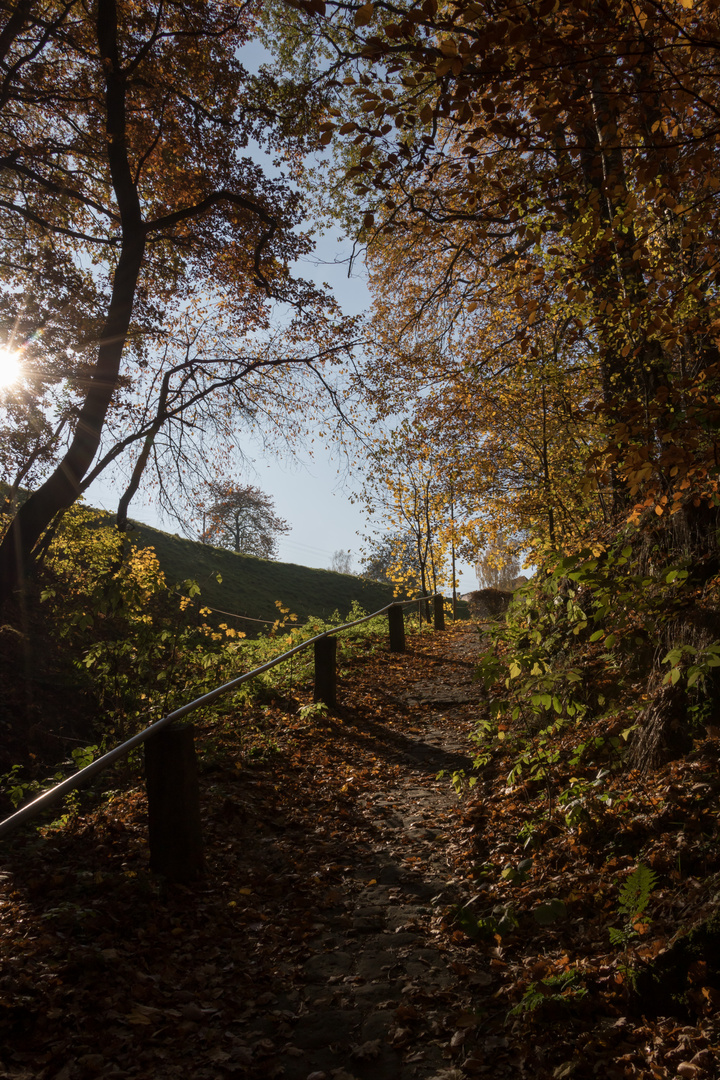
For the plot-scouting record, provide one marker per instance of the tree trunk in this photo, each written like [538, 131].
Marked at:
[62, 488]
[663, 728]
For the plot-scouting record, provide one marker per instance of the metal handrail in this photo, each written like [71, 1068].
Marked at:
[47, 798]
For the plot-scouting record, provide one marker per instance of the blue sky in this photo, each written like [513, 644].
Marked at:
[312, 493]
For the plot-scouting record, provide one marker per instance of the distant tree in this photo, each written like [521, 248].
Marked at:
[411, 499]
[499, 565]
[341, 562]
[244, 520]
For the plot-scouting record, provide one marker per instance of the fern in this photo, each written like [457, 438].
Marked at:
[635, 893]
[633, 899]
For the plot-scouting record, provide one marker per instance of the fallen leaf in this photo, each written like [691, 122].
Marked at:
[136, 1017]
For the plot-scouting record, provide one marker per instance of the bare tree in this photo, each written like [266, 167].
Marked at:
[499, 565]
[341, 562]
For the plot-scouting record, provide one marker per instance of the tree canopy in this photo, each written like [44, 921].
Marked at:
[537, 189]
[131, 190]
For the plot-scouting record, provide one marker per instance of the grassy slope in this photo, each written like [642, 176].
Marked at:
[250, 586]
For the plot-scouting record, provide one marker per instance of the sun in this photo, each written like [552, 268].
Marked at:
[10, 368]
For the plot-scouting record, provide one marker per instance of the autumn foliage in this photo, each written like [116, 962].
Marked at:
[536, 188]
[540, 208]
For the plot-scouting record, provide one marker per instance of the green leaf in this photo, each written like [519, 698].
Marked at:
[550, 912]
[635, 892]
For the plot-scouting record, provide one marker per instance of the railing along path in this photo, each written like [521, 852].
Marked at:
[176, 848]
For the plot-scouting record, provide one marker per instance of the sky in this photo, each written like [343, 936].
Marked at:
[311, 493]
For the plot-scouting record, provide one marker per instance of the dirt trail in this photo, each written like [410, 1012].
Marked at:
[373, 998]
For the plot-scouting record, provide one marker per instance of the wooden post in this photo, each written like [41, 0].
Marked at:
[176, 848]
[396, 625]
[439, 612]
[326, 671]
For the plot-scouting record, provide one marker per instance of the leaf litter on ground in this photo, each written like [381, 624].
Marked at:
[325, 835]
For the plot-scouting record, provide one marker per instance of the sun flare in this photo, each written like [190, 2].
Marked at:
[10, 368]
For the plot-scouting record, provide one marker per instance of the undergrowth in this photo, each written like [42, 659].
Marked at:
[140, 647]
[586, 644]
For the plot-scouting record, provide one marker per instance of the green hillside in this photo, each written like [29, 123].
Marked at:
[250, 586]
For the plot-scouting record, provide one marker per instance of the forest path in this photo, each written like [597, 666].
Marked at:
[375, 998]
[318, 945]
